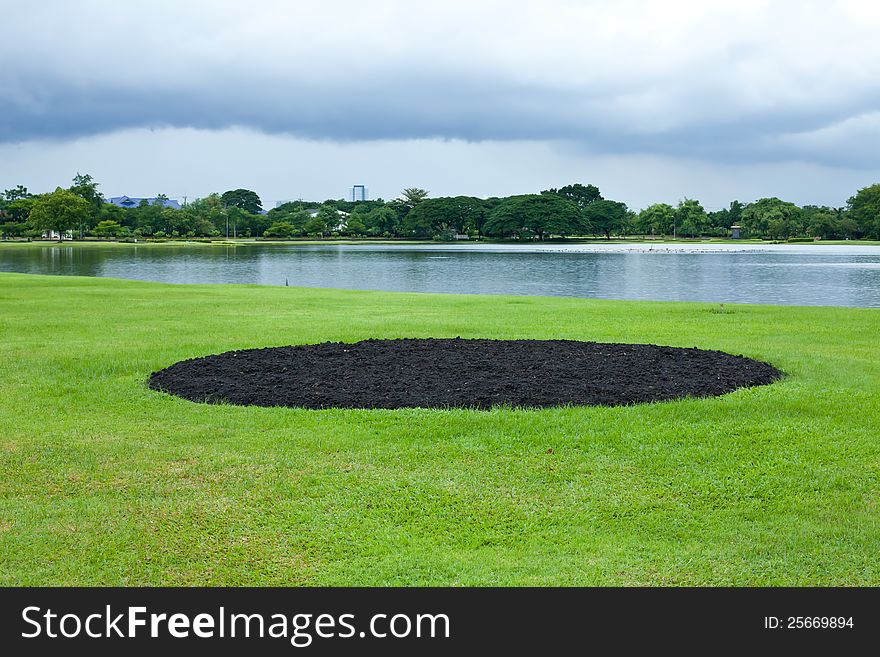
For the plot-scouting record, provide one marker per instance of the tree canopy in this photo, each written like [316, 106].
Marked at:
[60, 211]
[537, 214]
[244, 199]
[86, 187]
[864, 210]
[459, 213]
[17, 192]
[580, 195]
[690, 217]
[773, 217]
[605, 216]
[656, 219]
[412, 196]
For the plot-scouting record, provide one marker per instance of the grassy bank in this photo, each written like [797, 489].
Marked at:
[103, 481]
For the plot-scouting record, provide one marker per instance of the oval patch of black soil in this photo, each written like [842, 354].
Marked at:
[444, 373]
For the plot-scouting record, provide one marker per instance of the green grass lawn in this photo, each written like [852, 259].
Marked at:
[105, 482]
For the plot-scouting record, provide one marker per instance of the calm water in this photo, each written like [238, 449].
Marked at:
[777, 274]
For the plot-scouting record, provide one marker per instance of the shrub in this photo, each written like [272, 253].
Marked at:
[283, 229]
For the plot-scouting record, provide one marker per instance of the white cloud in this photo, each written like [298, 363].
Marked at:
[718, 80]
[647, 99]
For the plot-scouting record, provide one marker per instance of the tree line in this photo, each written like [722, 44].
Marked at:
[572, 210]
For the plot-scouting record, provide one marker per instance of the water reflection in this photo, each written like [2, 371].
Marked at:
[809, 275]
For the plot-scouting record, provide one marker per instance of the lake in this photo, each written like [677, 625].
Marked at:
[788, 274]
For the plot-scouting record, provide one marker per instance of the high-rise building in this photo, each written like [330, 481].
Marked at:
[358, 193]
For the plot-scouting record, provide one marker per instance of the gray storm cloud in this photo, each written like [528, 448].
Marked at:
[727, 82]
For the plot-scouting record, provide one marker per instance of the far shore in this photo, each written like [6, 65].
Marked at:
[249, 241]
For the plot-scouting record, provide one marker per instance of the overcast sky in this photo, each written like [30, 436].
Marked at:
[651, 101]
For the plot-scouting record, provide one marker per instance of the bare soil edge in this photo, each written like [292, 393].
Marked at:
[460, 373]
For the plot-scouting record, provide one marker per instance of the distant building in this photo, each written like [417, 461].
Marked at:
[358, 193]
[133, 202]
[735, 231]
[55, 235]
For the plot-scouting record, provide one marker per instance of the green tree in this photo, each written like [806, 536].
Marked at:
[734, 213]
[293, 213]
[59, 211]
[280, 229]
[630, 223]
[355, 225]
[718, 223]
[327, 220]
[315, 226]
[418, 224]
[15, 206]
[383, 221]
[243, 198]
[86, 188]
[20, 208]
[286, 208]
[536, 214]
[656, 219]
[822, 222]
[401, 209]
[122, 216]
[772, 217]
[107, 228]
[17, 192]
[240, 221]
[690, 218]
[606, 217]
[11, 228]
[203, 228]
[460, 214]
[847, 228]
[147, 215]
[864, 209]
[412, 196]
[580, 195]
[299, 220]
[210, 209]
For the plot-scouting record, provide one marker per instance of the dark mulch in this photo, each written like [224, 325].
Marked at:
[444, 373]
